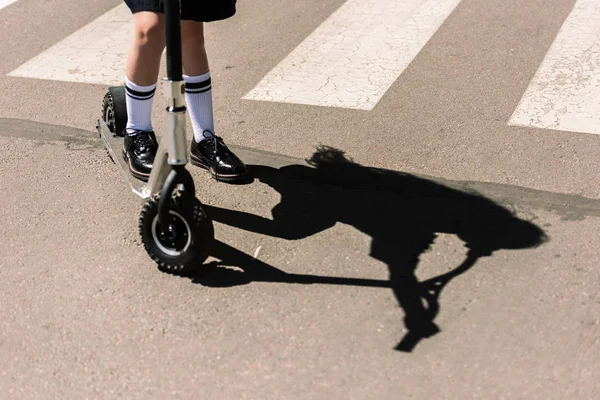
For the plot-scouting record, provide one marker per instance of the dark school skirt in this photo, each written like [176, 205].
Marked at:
[194, 10]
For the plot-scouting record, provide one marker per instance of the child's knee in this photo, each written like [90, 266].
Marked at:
[150, 32]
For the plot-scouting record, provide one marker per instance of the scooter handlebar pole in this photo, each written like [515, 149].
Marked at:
[173, 39]
[172, 150]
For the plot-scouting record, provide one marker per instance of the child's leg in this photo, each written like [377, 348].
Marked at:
[208, 151]
[195, 60]
[197, 77]
[143, 64]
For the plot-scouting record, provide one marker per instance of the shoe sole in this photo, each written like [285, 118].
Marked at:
[219, 177]
[137, 174]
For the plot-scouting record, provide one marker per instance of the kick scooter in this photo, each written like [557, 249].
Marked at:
[174, 228]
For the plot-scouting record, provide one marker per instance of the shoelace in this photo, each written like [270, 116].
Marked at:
[144, 143]
[214, 141]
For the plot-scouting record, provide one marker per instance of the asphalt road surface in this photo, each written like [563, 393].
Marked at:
[441, 241]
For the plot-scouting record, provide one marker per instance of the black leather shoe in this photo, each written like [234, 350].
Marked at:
[212, 154]
[139, 150]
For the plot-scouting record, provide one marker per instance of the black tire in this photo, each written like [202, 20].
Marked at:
[195, 233]
[114, 110]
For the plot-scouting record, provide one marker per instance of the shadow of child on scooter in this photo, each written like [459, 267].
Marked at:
[402, 214]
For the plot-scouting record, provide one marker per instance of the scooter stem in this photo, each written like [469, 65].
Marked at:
[172, 150]
[173, 39]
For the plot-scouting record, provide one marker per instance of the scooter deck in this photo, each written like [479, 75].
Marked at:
[114, 146]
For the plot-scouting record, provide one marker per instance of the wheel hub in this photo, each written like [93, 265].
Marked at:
[175, 236]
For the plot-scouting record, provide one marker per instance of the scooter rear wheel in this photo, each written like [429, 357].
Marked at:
[114, 110]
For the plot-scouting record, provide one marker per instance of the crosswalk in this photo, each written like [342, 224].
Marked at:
[94, 54]
[565, 92]
[4, 3]
[355, 55]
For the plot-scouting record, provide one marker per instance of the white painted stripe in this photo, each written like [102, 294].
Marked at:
[565, 92]
[95, 53]
[4, 3]
[353, 58]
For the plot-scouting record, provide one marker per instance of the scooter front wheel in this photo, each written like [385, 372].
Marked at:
[185, 243]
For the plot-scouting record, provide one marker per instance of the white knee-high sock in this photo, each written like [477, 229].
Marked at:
[139, 101]
[198, 95]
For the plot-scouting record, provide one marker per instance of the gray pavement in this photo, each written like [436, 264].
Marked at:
[296, 301]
